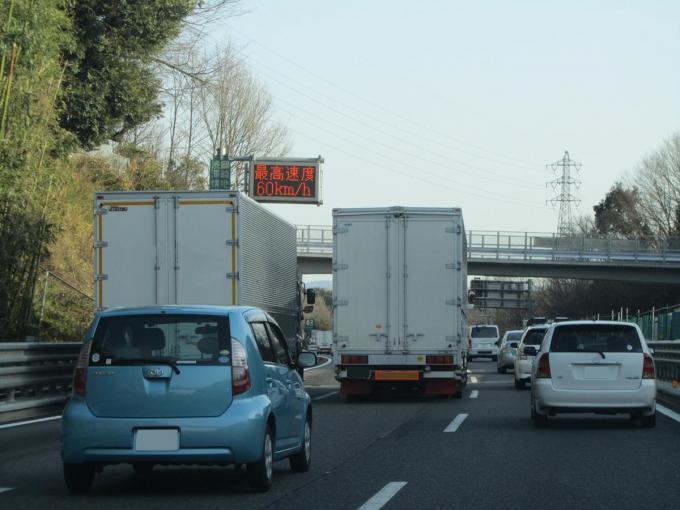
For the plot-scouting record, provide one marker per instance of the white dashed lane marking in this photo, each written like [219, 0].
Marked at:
[457, 421]
[474, 394]
[6, 489]
[473, 380]
[383, 496]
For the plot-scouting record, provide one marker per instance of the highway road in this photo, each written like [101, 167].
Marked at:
[399, 452]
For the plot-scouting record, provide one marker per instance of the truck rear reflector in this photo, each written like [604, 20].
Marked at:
[396, 375]
[348, 359]
[439, 360]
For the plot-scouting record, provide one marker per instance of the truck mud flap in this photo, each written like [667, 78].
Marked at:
[442, 387]
[354, 387]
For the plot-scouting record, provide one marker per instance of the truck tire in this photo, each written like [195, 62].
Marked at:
[519, 384]
[261, 473]
[78, 477]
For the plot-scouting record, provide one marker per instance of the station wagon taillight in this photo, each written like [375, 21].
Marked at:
[347, 359]
[648, 367]
[80, 373]
[240, 377]
[543, 369]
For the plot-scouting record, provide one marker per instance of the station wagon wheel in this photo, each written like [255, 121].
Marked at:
[648, 422]
[540, 420]
[78, 477]
[261, 473]
[300, 461]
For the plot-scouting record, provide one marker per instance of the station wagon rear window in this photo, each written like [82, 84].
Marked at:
[484, 332]
[595, 338]
[514, 337]
[179, 338]
[535, 336]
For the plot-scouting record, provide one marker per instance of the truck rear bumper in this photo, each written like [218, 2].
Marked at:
[439, 382]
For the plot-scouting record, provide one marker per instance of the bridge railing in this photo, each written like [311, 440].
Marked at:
[540, 246]
[35, 378]
[315, 239]
[537, 246]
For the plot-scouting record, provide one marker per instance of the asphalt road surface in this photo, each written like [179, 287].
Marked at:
[394, 453]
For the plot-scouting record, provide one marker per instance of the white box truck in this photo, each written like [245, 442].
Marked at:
[195, 248]
[400, 299]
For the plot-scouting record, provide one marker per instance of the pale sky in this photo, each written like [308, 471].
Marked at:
[452, 103]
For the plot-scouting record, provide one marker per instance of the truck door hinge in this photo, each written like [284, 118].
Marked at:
[454, 302]
[100, 211]
[100, 244]
[232, 276]
[231, 209]
[453, 230]
[232, 242]
[340, 302]
[341, 339]
[340, 267]
[340, 230]
[100, 277]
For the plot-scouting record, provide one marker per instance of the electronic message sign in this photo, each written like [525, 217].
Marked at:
[286, 180]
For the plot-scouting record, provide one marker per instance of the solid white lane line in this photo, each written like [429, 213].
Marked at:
[473, 380]
[474, 394]
[457, 421]
[6, 489]
[326, 395]
[667, 412]
[29, 422]
[383, 496]
[325, 364]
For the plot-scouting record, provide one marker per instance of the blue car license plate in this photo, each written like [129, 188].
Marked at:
[156, 440]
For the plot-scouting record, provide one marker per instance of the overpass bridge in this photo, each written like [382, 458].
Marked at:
[531, 254]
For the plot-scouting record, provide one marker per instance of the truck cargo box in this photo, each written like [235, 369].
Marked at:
[209, 248]
[400, 295]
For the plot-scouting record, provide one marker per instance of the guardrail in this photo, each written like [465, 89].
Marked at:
[35, 378]
[667, 361]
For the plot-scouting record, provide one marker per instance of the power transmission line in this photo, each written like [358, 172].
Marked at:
[564, 185]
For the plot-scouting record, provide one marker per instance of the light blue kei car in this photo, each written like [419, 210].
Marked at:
[186, 385]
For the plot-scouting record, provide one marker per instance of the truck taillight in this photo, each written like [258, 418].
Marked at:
[240, 377]
[80, 373]
[439, 360]
[648, 367]
[349, 359]
[543, 369]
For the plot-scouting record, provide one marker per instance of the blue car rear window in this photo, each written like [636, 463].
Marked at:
[184, 339]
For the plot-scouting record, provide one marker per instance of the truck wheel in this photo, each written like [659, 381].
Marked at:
[300, 461]
[458, 394]
[261, 473]
[78, 477]
[519, 384]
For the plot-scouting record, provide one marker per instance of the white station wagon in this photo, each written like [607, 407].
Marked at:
[593, 367]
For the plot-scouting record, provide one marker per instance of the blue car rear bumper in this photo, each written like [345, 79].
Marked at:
[234, 437]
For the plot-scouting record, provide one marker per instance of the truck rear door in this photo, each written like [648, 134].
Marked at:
[365, 279]
[428, 276]
[205, 251]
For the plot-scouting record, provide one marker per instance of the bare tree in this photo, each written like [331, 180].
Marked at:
[658, 179]
[237, 113]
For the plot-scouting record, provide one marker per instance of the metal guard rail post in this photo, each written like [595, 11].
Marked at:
[35, 378]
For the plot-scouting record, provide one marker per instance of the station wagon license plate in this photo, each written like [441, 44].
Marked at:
[156, 440]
